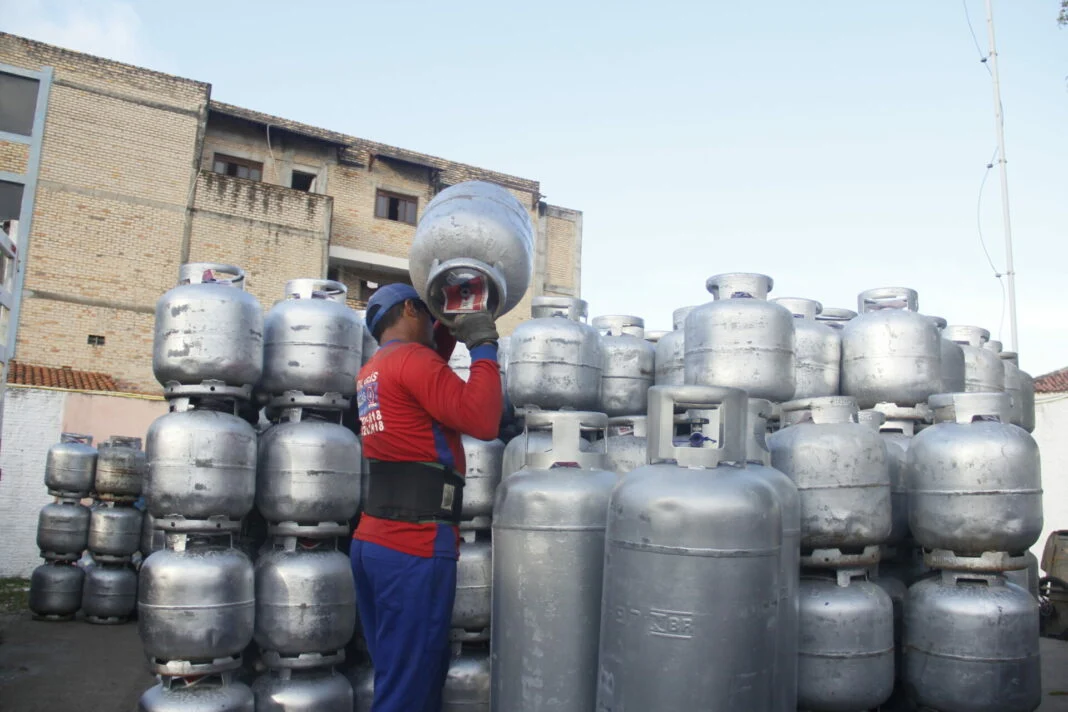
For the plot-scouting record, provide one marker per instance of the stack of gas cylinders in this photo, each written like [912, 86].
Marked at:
[89, 550]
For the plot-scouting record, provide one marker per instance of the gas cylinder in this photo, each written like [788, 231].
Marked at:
[114, 533]
[817, 349]
[197, 694]
[70, 466]
[628, 366]
[983, 371]
[971, 644]
[63, 530]
[121, 466]
[975, 483]
[312, 342]
[670, 351]
[56, 591]
[317, 690]
[484, 461]
[890, 353]
[836, 317]
[467, 683]
[740, 340]
[953, 368]
[471, 607]
[536, 438]
[109, 594]
[899, 425]
[555, 359]
[548, 554]
[691, 536]
[626, 443]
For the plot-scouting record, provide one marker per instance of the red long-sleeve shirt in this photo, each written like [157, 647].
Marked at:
[413, 408]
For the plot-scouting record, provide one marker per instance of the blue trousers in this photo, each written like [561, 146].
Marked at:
[405, 607]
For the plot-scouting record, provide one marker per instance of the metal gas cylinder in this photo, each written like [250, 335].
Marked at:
[846, 643]
[1020, 388]
[628, 366]
[653, 336]
[626, 443]
[305, 601]
[975, 483]
[817, 349]
[740, 340]
[460, 361]
[474, 578]
[897, 427]
[56, 591]
[121, 466]
[971, 643]
[1027, 389]
[841, 472]
[114, 533]
[467, 683]
[195, 602]
[548, 554]
[536, 438]
[983, 371]
[63, 530]
[312, 342]
[302, 691]
[689, 537]
[890, 580]
[1027, 578]
[308, 474]
[362, 679]
[890, 353]
[468, 231]
[836, 317]
[152, 539]
[758, 463]
[208, 329]
[953, 367]
[484, 461]
[197, 694]
[202, 465]
[70, 466]
[555, 359]
[370, 346]
[670, 351]
[109, 594]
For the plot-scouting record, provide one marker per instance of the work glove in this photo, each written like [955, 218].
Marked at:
[475, 329]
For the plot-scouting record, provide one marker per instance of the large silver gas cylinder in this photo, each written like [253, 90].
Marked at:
[1020, 388]
[836, 317]
[305, 601]
[975, 483]
[983, 372]
[889, 579]
[897, 426]
[817, 349]
[63, 530]
[56, 591]
[474, 578]
[312, 342]
[692, 557]
[469, 231]
[890, 353]
[846, 643]
[548, 554]
[208, 329]
[109, 594]
[202, 465]
[370, 346]
[70, 466]
[152, 539]
[198, 694]
[195, 602]
[626, 443]
[467, 683]
[535, 438]
[670, 351]
[308, 474]
[841, 472]
[302, 691]
[484, 459]
[972, 644]
[953, 368]
[1027, 389]
[740, 340]
[628, 366]
[114, 533]
[555, 359]
[758, 461]
[121, 466]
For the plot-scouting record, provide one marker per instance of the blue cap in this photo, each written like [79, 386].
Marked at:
[384, 299]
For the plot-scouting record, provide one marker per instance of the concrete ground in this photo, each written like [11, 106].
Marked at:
[49, 667]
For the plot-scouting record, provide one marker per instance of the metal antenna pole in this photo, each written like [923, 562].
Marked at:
[999, 125]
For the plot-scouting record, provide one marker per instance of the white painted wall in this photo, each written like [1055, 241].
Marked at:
[1051, 433]
[32, 422]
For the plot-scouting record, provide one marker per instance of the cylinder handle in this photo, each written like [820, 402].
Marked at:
[208, 273]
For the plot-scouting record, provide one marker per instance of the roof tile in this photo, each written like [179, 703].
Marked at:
[1054, 382]
[27, 374]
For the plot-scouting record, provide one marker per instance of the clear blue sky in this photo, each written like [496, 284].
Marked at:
[834, 145]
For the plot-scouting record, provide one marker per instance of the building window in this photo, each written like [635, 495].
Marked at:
[392, 206]
[333, 273]
[237, 167]
[10, 200]
[302, 181]
[18, 103]
[95, 340]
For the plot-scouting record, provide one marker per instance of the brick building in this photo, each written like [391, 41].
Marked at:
[112, 175]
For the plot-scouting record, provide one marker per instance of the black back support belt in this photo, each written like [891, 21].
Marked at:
[414, 492]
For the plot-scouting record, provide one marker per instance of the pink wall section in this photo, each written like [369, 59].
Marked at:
[103, 416]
